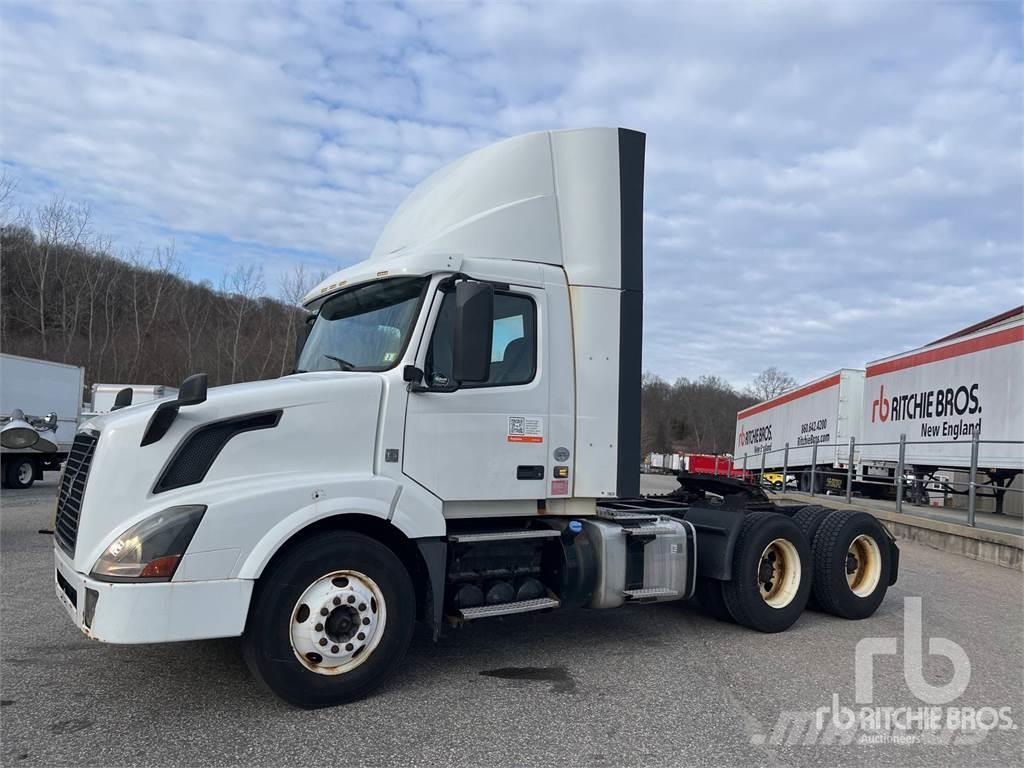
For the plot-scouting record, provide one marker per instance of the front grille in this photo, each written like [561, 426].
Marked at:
[72, 489]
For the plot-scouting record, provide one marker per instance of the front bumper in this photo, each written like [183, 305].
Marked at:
[151, 612]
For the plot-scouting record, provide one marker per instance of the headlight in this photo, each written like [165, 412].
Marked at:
[150, 550]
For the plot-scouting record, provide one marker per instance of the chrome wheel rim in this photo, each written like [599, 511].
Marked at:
[24, 473]
[337, 622]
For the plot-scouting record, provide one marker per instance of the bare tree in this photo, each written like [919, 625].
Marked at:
[150, 279]
[243, 286]
[65, 294]
[7, 186]
[57, 224]
[193, 311]
[295, 284]
[95, 272]
[769, 383]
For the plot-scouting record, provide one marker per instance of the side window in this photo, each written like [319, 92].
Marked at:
[513, 350]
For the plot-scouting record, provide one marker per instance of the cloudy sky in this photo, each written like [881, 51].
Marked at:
[827, 184]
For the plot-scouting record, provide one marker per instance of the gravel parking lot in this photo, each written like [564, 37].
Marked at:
[661, 685]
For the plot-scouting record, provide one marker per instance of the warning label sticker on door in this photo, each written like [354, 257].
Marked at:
[525, 429]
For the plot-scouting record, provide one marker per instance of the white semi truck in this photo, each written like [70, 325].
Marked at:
[937, 396]
[461, 440]
[40, 405]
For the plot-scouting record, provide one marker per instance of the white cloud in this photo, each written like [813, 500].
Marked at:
[827, 183]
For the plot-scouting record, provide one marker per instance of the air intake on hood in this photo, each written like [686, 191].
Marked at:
[197, 452]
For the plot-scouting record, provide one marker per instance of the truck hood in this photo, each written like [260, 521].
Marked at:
[234, 399]
[327, 422]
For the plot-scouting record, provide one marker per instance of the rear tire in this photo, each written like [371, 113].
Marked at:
[852, 564]
[808, 520]
[330, 620]
[770, 575]
[20, 473]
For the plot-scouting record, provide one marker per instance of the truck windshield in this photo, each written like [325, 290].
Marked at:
[366, 328]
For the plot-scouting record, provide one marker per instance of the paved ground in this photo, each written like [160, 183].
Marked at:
[660, 685]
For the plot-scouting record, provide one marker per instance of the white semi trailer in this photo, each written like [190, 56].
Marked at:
[104, 396]
[40, 405]
[823, 413]
[461, 440]
[937, 397]
[940, 396]
[664, 463]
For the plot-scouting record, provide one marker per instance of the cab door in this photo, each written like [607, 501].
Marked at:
[484, 441]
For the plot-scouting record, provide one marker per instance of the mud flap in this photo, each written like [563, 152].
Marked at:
[435, 555]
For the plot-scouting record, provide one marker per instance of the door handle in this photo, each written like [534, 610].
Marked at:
[530, 472]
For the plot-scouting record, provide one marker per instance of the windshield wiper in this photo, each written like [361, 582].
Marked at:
[344, 364]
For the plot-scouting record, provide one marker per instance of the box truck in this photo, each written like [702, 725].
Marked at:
[40, 405]
[461, 440]
[825, 412]
[104, 395]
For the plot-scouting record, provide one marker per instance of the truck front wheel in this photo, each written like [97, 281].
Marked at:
[330, 620]
[771, 577]
[19, 473]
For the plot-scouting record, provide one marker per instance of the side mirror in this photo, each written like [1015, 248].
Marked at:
[303, 336]
[123, 398]
[474, 325]
[193, 390]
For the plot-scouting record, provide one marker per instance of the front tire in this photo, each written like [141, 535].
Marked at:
[20, 473]
[330, 620]
[771, 573]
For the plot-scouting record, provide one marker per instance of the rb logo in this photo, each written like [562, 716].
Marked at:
[880, 406]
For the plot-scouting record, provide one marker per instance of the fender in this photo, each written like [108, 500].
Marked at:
[381, 497]
[717, 530]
